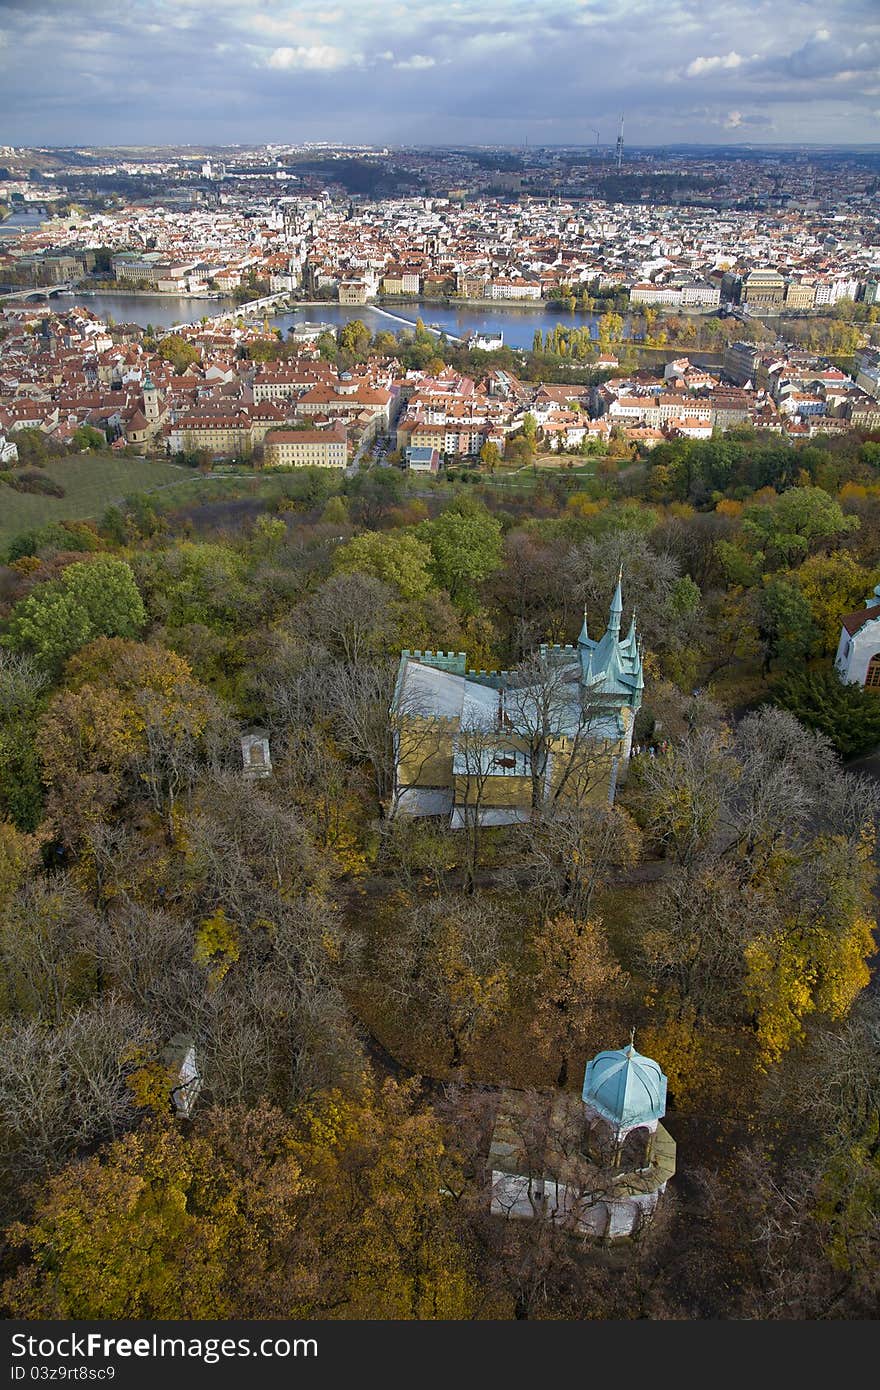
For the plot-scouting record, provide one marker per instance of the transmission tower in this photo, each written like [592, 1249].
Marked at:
[618, 153]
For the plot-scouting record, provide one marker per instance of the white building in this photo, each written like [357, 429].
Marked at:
[858, 653]
[596, 1165]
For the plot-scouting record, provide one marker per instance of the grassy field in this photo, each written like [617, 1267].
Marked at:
[527, 479]
[91, 483]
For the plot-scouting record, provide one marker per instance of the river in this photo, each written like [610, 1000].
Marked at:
[518, 325]
[19, 222]
[164, 311]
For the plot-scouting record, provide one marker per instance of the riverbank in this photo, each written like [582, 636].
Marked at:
[212, 295]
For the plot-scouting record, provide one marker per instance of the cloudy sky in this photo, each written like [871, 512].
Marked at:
[470, 71]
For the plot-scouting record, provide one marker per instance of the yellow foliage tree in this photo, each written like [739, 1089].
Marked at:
[217, 945]
[814, 961]
[165, 1226]
[386, 1218]
[833, 585]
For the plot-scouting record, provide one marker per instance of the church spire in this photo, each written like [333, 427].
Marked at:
[584, 639]
[616, 612]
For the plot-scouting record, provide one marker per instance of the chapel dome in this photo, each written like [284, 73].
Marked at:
[626, 1088]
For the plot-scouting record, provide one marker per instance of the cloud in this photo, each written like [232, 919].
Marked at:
[321, 57]
[700, 66]
[418, 60]
[156, 69]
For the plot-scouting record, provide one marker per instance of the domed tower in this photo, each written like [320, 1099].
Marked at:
[596, 1164]
[152, 404]
[624, 1098]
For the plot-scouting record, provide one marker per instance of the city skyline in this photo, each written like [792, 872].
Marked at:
[220, 72]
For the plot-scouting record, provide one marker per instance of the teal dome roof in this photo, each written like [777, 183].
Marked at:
[625, 1087]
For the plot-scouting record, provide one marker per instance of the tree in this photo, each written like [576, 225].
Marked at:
[571, 850]
[86, 438]
[785, 624]
[445, 973]
[529, 429]
[92, 598]
[489, 455]
[397, 557]
[353, 615]
[833, 585]
[386, 1219]
[576, 987]
[65, 1086]
[178, 351]
[466, 545]
[847, 714]
[131, 717]
[163, 1225]
[22, 691]
[796, 522]
[554, 721]
[354, 337]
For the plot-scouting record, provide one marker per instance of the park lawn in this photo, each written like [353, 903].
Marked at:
[91, 483]
[269, 486]
[527, 479]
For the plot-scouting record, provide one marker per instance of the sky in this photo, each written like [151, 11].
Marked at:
[145, 72]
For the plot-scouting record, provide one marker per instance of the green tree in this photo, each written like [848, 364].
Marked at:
[795, 523]
[466, 545]
[395, 557]
[86, 438]
[92, 598]
[784, 623]
[849, 715]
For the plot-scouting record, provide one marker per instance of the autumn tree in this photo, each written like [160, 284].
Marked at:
[130, 716]
[577, 987]
[386, 1218]
[163, 1225]
[92, 598]
[445, 972]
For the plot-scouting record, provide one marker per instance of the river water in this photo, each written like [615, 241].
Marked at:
[518, 325]
[164, 311]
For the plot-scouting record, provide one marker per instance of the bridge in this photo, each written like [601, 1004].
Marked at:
[38, 291]
[252, 306]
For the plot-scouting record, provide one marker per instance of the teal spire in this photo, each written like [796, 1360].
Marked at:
[631, 635]
[584, 639]
[616, 606]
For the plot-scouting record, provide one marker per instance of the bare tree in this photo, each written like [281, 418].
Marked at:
[353, 615]
[562, 726]
[446, 970]
[476, 759]
[65, 1087]
[572, 848]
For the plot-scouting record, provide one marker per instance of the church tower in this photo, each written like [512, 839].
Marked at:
[152, 403]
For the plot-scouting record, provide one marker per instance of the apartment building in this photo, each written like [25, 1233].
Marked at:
[306, 449]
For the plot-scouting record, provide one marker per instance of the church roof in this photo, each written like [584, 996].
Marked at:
[625, 1087]
[854, 622]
